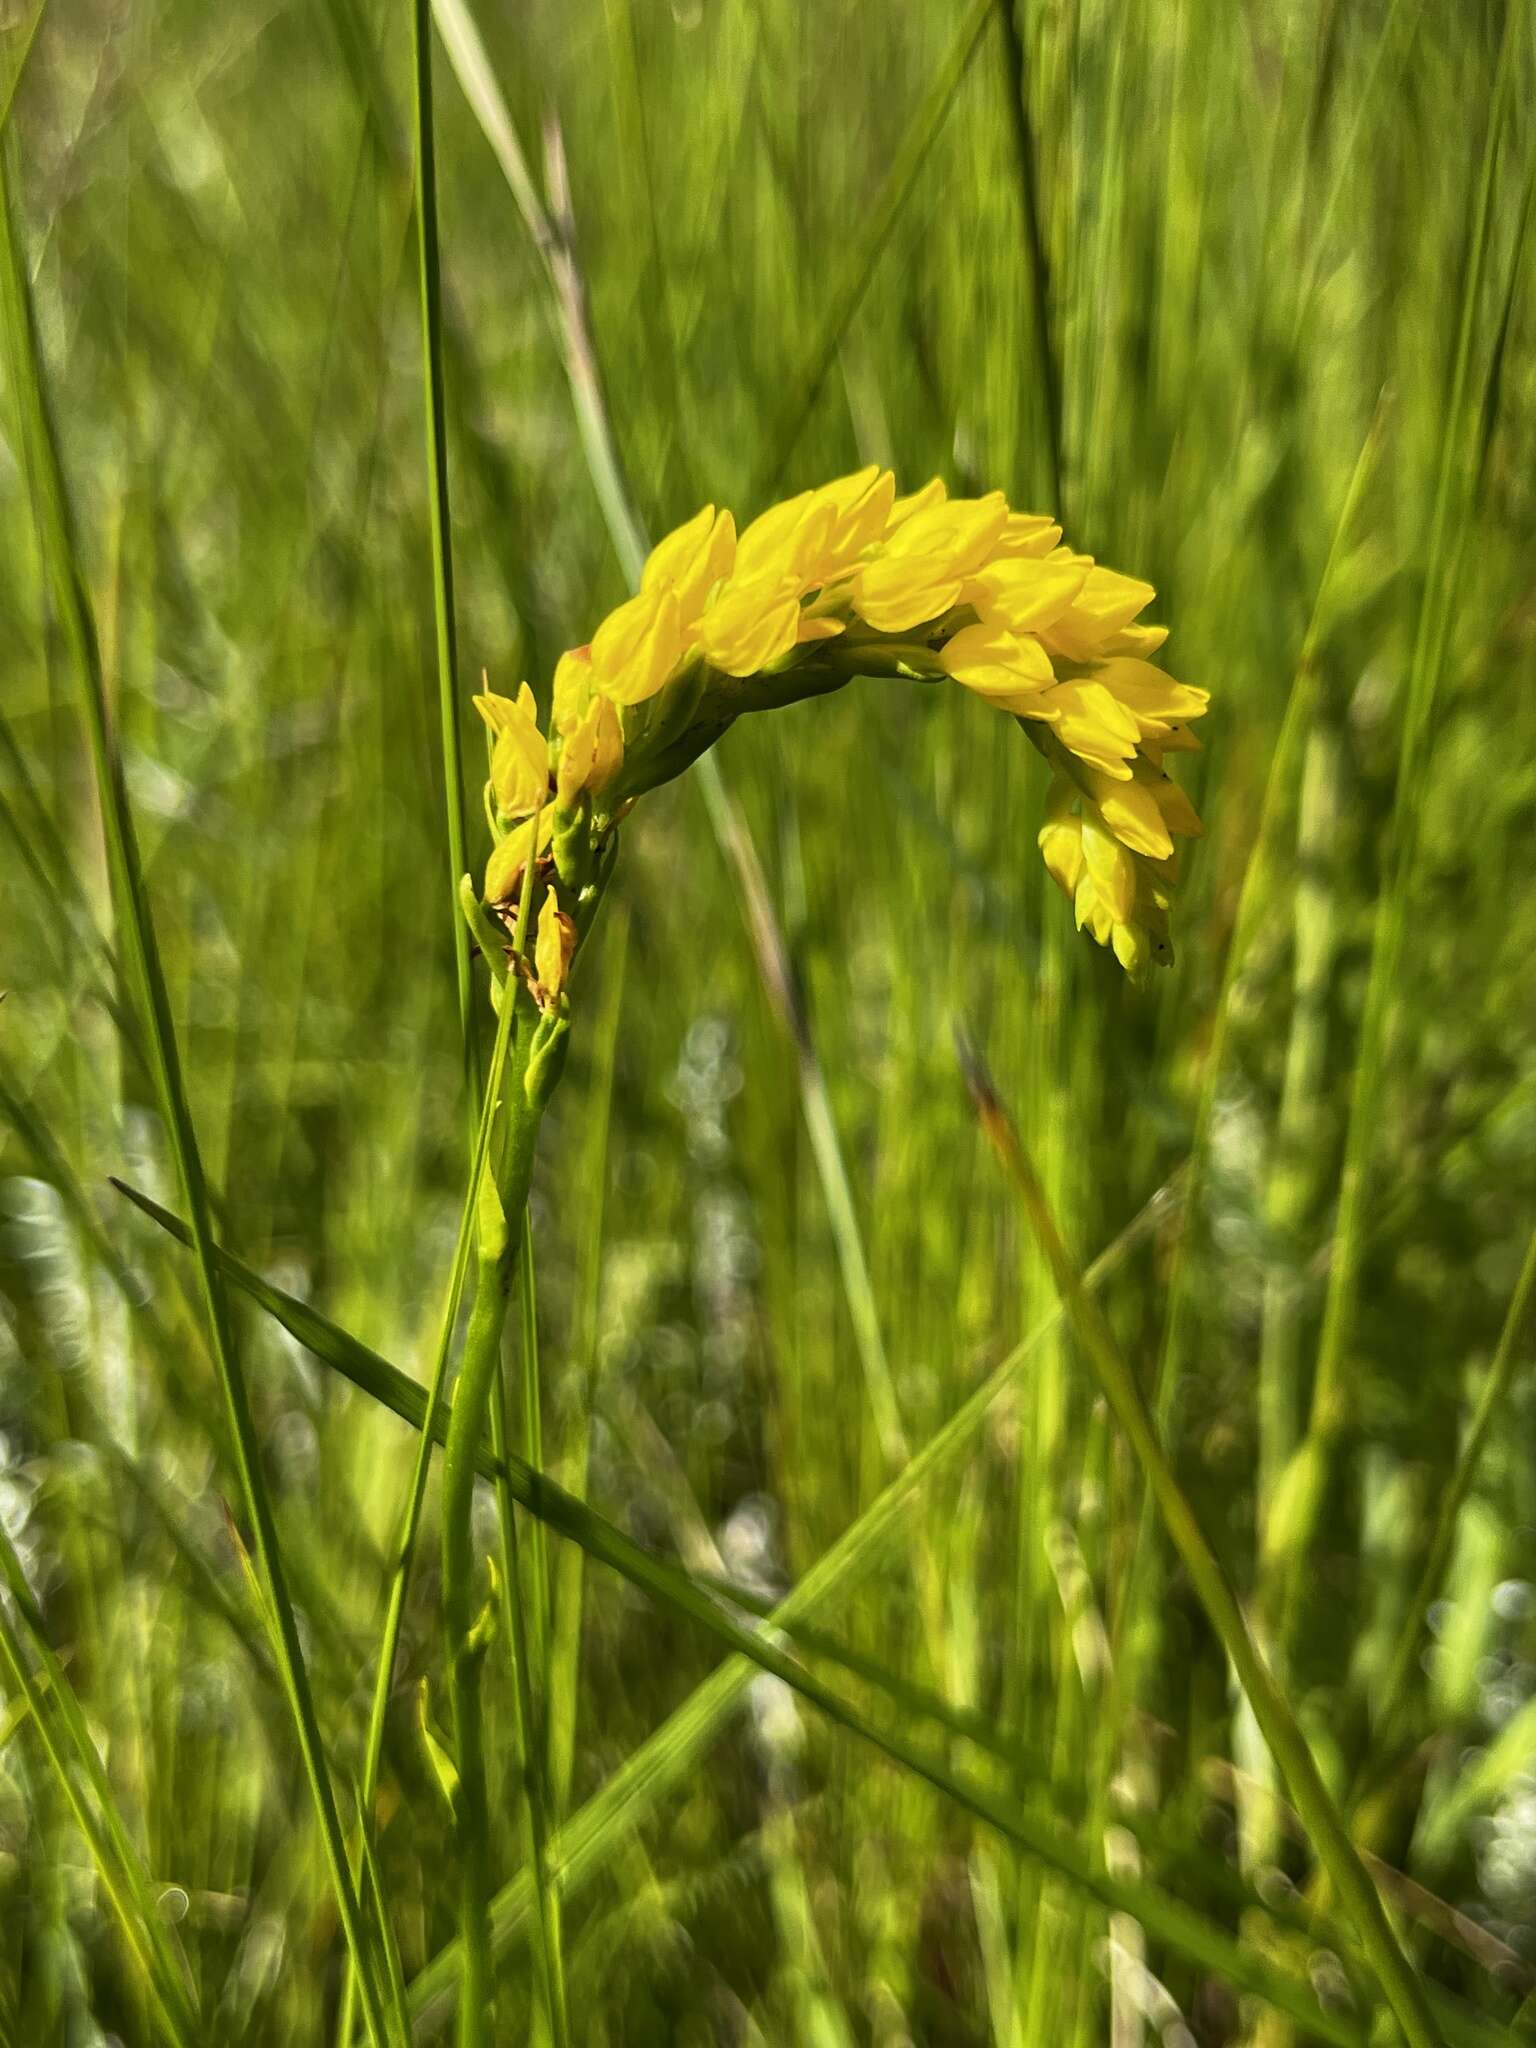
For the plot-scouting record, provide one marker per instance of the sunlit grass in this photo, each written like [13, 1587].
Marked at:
[1245, 297]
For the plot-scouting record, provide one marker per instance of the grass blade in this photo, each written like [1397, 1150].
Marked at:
[136, 925]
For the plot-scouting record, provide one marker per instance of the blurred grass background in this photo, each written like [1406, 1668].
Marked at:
[1243, 289]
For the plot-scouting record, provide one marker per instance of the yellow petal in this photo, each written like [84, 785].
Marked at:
[1091, 911]
[895, 593]
[1140, 640]
[753, 621]
[1112, 869]
[932, 493]
[692, 560]
[1131, 812]
[1154, 699]
[500, 712]
[554, 943]
[1027, 536]
[1089, 721]
[997, 665]
[1060, 838]
[787, 539]
[1179, 814]
[1023, 595]
[861, 506]
[1133, 947]
[1107, 603]
[958, 535]
[520, 758]
[636, 648]
[592, 753]
[504, 870]
[574, 688]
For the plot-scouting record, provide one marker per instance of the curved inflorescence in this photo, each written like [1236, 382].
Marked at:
[846, 581]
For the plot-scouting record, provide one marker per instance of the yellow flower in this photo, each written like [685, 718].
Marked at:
[591, 754]
[1106, 603]
[1009, 670]
[755, 620]
[1024, 593]
[519, 758]
[691, 561]
[554, 943]
[1092, 724]
[1119, 899]
[504, 869]
[636, 648]
[575, 690]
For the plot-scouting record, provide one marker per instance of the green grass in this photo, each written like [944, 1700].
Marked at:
[1248, 294]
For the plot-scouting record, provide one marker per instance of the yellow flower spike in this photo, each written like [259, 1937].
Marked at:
[636, 648]
[1112, 869]
[1001, 666]
[754, 621]
[1025, 595]
[504, 869]
[691, 561]
[592, 754]
[960, 586]
[1106, 604]
[554, 943]
[520, 757]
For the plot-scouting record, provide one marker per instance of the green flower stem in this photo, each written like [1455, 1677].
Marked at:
[1358, 1896]
[501, 1210]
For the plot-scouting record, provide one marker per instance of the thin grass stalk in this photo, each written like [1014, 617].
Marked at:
[435, 1425]
[436, 429]
[123, 1877]
[1330, 1405]
[1498, 1382]
[502, 1197]
[846, 294]
[549, 1947]
[135, 918]
[1047, 369]
[569, 1585]
[577, 1850]
[759, 1646]
[527, 1639]
[1261, 875]
[1398, 1980]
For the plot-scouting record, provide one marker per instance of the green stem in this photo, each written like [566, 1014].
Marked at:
[501, 1211]
[1399, 1981]
[442, 535]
